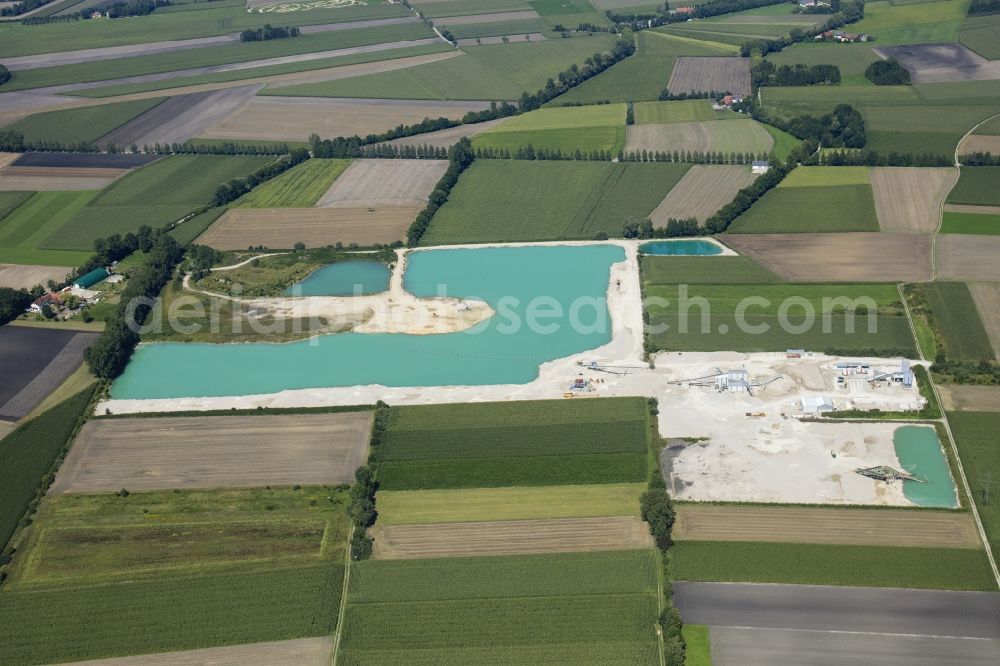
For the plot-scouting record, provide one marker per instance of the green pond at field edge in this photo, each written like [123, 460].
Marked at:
[919, 451]
[344, 278]
[550, 302]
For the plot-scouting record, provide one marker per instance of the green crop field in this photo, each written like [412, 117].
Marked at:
[187, 232]
[977, 186]
[783, 142]
[538, 443]
[490, 72]
[568, 13]
[517, 28]
[585, 128]
[416, 507]
[268, 70]
[156, 195]
[24, 230]
[956, 319]
[929, 22]
[984, 224]
[213, 568]
[469, 7]
[836, 208]
[194, 21]
[81, 125]
[982, 35]
[990, 127]
[685, 111]
[504, 200]
[814, 564]
[578, 608]
[714, 321]
[976, 438]
[704, 270]
[852, 59]
[644, 75]
[28, 453]
[819, 176]
[299, 187]
[921, 129]
[10, 201]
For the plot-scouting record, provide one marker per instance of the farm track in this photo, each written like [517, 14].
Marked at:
[704, 74]
[295, 118]
[967, 258]
[969, 398]
[215, 452]
[840, 257]
[987, 300]
[517, 537]
[316, 227]
[910, 199]
[868, 527]
[304, 651]
[701, 192]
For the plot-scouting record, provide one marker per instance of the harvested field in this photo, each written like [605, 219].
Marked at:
[84, 160]
[7, 158]
[980, 143]
[305, 651]
[987, 299]
[18, 276]
[215, 452]
[446, 137]
[384, 182]
[841, 257]
[909, 199]
[969, 398]
[704, 74]
[33, 363]
[701, 192]
[181, 118]
[967, 258]
[56, 179]
[486, 18]
[976, 210]
[714, 135]
[938, 63]
[515, 537]
[239, 228]
[865, 527]
[295, 118]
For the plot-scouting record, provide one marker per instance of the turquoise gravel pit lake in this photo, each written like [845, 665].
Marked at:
[680, 248]
[919, 451]
[344, 278]
[550, 302]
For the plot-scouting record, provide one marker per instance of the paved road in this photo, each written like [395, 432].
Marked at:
[126, 50]
[859, 609]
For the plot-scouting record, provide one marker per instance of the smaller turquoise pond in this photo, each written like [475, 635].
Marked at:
[699, 248]
[919, 451]
[344, 278]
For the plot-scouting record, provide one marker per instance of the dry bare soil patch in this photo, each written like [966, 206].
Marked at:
[987, 299]
[969, 398]
[968, 258]
[295, 118]
[701, 192]
[936, 63]
[980, 143]
[385, 182]
[298, 652]
[704, 74]
[18, 276]
[556, 535]
[56, 179]
[910, 198]
[714, 135]
[240, 228]
[215, 452]
[867, 527]
[840, 257]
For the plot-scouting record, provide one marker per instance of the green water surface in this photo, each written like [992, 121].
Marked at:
[919, 451]
[344, 278]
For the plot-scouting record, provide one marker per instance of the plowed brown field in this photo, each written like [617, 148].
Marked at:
[694, 74]
[969, 398]
[385, 182]
[910, 198]
[512, 537]
[701, 192]
[968, 258]
[870, 527]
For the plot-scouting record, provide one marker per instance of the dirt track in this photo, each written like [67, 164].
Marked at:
[181, 118]
[301, 651]
[295, 118]
[969, 398]
[840, 257]
[702, 191]
[987, 298]
[560, 535]
[240, 228]
[215, 452]
[56, 179]
[870, 527]
[968, 258]
[693, 74]
[909, 199]
[384, 182]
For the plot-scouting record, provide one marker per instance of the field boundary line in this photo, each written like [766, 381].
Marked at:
[343, 597]
[909, 318]
[965, 485]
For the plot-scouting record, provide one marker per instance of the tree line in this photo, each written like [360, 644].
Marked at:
[22, 7]
[766, 73]
[4, 75]
[887, 73]
[267, 33]
[362, 508]
[667, 96]
[874, 158]
[980, 159]
[574, 75]
[842, 128]
[460, 157]
[981, 7]
[850, 12]
[116, 10]
[748, 196]
[237, 187]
